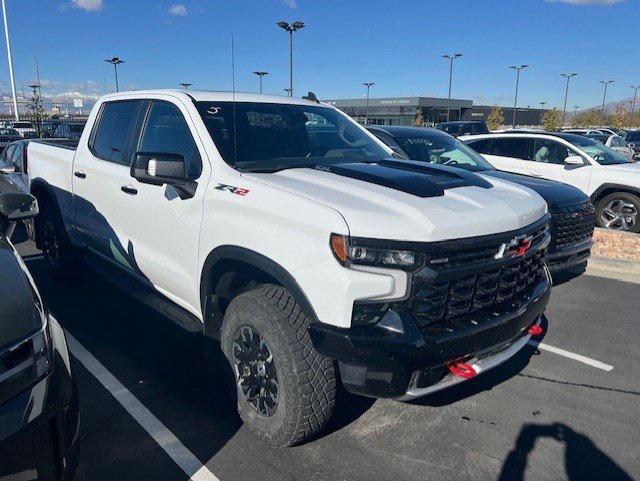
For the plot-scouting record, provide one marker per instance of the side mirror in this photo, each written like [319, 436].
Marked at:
[159, 168]
[574, 160]
[632, 145]
[7, 168]
[17, 206]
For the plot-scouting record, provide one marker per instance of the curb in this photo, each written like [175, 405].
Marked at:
[625, 270]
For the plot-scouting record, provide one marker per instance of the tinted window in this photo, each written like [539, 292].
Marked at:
[481, 145]
[550, 152]
[112, 133]
[167, 131]
[633, 137]
[264, 136]
[511, 147]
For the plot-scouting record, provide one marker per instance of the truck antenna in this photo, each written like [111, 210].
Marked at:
[233, 93]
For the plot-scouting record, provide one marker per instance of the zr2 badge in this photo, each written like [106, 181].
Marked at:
[232, 189]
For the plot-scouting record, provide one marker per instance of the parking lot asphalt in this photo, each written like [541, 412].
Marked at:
[541, 416]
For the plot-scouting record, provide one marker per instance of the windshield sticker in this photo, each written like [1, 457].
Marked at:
[214, 110]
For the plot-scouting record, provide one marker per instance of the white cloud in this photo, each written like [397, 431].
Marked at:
[587, 2]
[178, 9]
[290, 3]
[87, 5]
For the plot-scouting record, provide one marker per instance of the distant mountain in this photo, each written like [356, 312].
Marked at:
[610, 107]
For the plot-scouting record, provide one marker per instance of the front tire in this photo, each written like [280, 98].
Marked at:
[619, 211]
[285, 388]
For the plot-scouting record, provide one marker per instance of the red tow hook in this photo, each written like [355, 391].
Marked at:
[535, 330]
[461, 369]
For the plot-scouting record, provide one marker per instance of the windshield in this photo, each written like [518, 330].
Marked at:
[437, 148]
[269, 137]
[9, 132]
[597, 150]
[22, 125]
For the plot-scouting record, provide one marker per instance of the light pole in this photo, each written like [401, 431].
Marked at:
[261, 74]
[635, 94]
[566, 93]
[542, 104]
[517, 68]
[115, 61]
[451, 58]
[288, 91]
[604, 97]
[10, 61]
[186, 85]
[294, 27]
[366, 111]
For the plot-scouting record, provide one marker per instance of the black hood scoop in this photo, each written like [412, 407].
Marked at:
[416, 178]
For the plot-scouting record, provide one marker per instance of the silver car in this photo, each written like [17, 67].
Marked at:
[616, 142]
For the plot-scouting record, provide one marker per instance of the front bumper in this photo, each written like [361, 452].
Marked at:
[564, 257]
[379, 362]
[39, 427]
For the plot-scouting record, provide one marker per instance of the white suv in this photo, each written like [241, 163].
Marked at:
[602, 173]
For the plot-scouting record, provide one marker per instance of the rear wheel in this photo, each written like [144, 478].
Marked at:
[285, 389]
[619, 211]
[60, 254]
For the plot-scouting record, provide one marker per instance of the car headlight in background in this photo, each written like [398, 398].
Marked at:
[361, 254]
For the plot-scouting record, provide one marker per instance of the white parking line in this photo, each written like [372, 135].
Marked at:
[171, 445]
[572, 355]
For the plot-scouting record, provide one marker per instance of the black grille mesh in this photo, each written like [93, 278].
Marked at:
[572, 224]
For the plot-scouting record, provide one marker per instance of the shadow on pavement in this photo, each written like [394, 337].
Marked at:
[583, 459]
[566, 275]
[157, 361]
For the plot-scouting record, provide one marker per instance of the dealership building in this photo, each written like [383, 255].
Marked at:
[408, 110]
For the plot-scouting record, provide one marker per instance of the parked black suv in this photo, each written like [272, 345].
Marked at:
[39, 435]
[572, 215]
[461, 127]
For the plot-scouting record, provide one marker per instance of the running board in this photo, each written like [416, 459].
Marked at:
[135, 288]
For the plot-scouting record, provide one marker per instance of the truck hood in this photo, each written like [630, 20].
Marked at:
[382, 203]
[556, 194]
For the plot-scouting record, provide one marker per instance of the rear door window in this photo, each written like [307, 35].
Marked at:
[112, 136]
[517, 148]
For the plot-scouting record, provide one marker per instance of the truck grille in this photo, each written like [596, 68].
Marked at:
[572, 224]
[467, 287]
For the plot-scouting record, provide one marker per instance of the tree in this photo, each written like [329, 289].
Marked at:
[418, 118]
[590, 118]
[552, 120]
[36, 110]
[621, 118]
[495, 119]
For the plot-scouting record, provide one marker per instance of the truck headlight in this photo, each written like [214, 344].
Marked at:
[360, 253]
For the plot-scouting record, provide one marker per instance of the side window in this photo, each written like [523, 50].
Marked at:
[167, 131]
[482, 145]
[550, 152]
[111, 136]
[517, 148]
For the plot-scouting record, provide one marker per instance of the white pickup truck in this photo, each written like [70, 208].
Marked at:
[285, 231]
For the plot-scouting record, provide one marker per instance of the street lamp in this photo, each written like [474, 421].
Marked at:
[295, 26]
[366, 112]
[635, 94]
[186, 85]
[604, 97]
[542, 104]
[566, 93]
[517, 68]
[261, 74]
[115, 61]
[10, 61]
[451, 58]
[288, 92]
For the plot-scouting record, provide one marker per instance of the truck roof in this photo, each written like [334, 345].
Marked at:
[216, 96]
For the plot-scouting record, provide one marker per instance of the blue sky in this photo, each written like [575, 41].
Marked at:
[346, 42]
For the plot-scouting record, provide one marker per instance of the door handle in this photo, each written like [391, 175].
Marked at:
[80, 175]
[128, 190]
